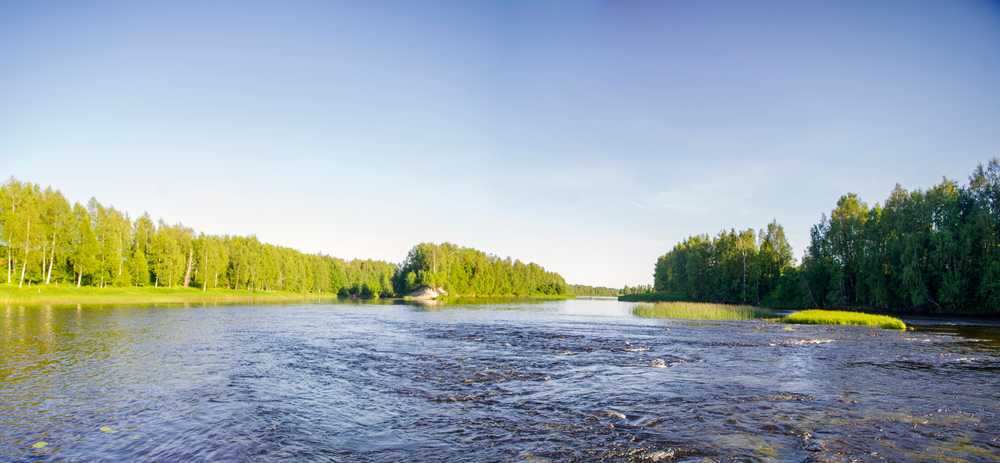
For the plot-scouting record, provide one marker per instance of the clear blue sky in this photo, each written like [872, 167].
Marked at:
[586, 136]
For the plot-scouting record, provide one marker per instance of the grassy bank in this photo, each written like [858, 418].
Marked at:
[840, 317]
[700, 311]
[144, 295]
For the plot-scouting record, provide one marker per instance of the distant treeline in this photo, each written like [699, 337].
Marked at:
[45, 240]
[934, 251]
[636, 290]
[593, 291]
[654, 296]
[469, 272]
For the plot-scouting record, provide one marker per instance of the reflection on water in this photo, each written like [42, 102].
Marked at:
[551, 381]
[987, 336]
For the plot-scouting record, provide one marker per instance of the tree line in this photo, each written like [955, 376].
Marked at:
[637, 289]
[44, 239]
[470, 272]
[737, 267]
[592, 291]
[933, 251]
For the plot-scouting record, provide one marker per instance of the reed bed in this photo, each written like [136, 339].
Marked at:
[700, 311]
[841, 317]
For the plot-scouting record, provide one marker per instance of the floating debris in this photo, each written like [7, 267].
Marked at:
[107, 429]
[658, 363]
[40, 444]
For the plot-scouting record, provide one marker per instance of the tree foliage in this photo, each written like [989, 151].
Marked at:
[738, 267]
[44, 239]
[602, 291]
[470, 272]
[934, 251]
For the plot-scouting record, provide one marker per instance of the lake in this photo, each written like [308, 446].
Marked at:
[577, 380]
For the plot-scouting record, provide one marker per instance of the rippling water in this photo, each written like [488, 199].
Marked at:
[576, 380]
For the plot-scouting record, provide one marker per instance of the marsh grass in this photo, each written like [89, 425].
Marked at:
[700, 311]
[840, 317]
[62, 294]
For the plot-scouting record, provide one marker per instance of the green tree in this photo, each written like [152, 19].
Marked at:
[84, 247]
[58, 215]
[141, 250]
[469, 272]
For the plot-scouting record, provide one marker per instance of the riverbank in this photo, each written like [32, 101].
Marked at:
[56, 294]
[670, 297]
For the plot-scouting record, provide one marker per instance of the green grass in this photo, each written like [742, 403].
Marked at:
[700, 311]
[61, 294]
[840, 317]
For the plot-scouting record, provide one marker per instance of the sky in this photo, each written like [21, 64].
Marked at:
[586, 136]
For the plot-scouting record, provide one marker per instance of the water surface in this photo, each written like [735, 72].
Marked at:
[581, 380]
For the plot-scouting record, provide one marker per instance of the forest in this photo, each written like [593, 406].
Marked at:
[920, 251]
[736, 267]
[594, 291]
[46, 240]
[470, 272]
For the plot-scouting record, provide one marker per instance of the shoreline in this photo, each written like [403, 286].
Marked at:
[665, 297]
[58, 294]
[68, 295]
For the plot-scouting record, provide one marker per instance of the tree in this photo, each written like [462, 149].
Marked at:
[168, 257]
[84, 246]
[24, 215]
[56, 212]
[141, 251]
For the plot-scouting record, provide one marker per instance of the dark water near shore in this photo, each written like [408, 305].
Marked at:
[576, 380]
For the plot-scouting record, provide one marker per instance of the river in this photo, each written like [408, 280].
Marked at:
[578, 380]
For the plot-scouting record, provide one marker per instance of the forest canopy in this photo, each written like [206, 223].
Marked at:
[934, 251]
[737, 267]
[594, 291]
[470, 272]
[44, 239]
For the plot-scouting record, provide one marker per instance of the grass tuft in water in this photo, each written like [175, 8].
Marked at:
[841, 317]
[700, 311]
